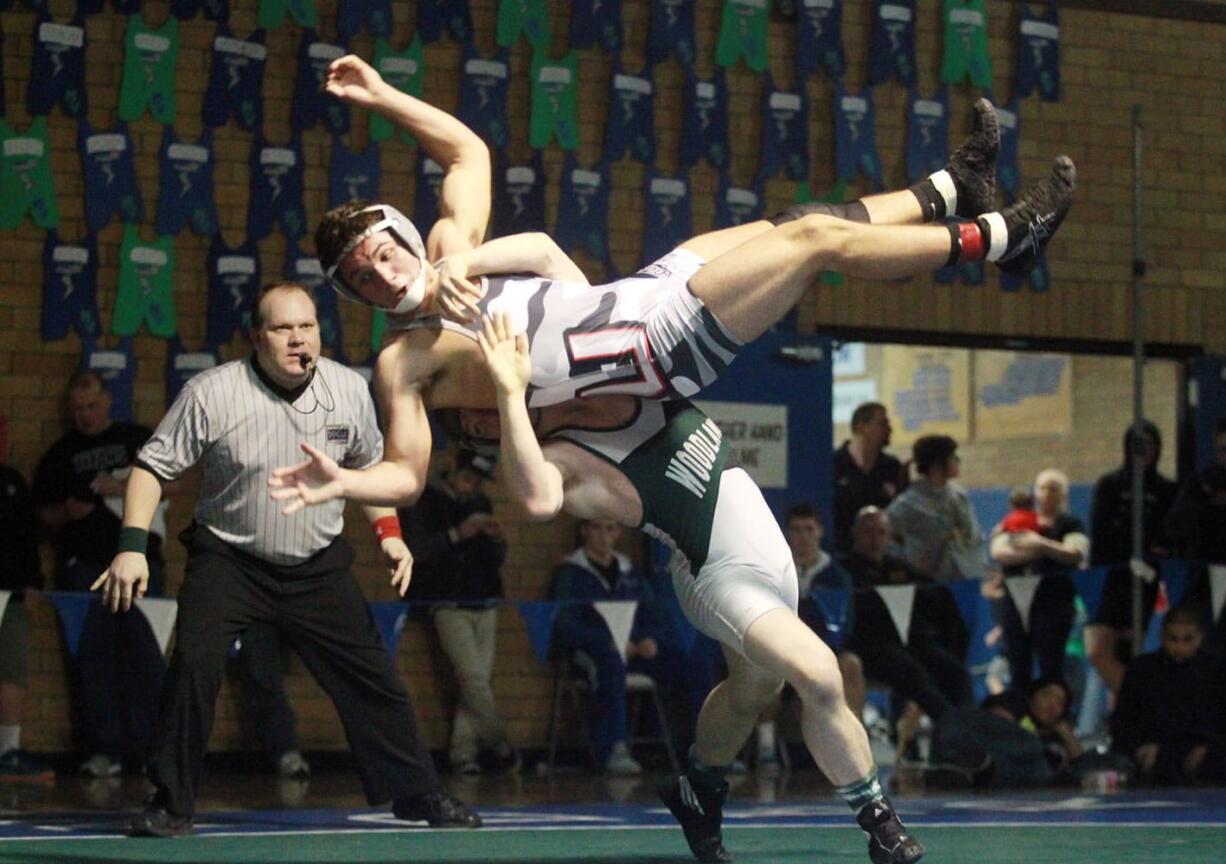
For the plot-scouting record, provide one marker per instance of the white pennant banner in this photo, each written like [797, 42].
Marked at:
[899, 600]
[1021, 589]
[619, 616]
[161, 614]
[1217, 588]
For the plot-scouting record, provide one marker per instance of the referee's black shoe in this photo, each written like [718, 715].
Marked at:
[888, 840]
[439, 808]
[156, 821]
[973, 165]
[700, 812]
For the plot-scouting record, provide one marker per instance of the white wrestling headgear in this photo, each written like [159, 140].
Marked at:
[399, 226]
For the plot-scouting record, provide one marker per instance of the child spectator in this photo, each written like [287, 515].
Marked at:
[1021, 516]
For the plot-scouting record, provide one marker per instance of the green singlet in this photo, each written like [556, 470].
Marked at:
[404, 70]
[149, 58]
[26, 184]
[529, 18]
[555, 84]
[743, 32]
[966, 43]
[146, 286]
[272, 13]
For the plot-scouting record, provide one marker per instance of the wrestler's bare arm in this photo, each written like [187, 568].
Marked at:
[530, 252]
[536, 483]
[400, 477]
[464, 204]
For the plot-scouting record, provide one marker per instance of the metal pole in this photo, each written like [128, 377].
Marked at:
[1137, 441]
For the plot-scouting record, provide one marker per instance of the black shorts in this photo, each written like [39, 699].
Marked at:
[1116, 608]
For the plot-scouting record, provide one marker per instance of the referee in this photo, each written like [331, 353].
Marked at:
[248, 563]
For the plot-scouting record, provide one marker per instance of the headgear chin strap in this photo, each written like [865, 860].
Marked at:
[399, 226]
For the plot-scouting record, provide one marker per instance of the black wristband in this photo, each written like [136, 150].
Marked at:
[132, 539]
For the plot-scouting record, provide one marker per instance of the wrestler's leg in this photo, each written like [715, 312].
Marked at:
[751, 287]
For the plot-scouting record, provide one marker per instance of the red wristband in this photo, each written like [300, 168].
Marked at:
[387, 526]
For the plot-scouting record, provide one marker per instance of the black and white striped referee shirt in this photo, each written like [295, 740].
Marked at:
[241, 425]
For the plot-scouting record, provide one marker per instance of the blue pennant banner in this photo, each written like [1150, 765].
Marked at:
[72, 607]
[390, 616]
[538, 618]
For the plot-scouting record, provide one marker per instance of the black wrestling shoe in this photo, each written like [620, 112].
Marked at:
[156, 821]
[1032, 220]
[439, 808]
[888, 840]
[973, 165]
[700, 813]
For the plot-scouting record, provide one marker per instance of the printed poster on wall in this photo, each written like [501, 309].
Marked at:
[1022, 395]
[927, 391]
[757, 437]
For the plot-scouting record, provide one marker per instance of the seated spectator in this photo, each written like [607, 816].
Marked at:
[19, 570]
[78, 488]
[1015, 738]
[458, 548]
[815, 570]
[934, 526]
[1052, 549]
[864, 475]
[1168, 717]
[261, 667]
[1108, 636]
[597, 572]
[930, 668]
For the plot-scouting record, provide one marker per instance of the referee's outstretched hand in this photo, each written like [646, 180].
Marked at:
[314, 481]
[399, 562]
[124, 581]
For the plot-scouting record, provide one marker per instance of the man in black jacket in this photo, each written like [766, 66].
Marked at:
[19, 570]
[458, 549]
[1107, 636]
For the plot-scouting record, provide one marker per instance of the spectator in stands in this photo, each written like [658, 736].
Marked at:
[1056, 545]
[1168, 717]
[1016, 738]
[1108, 636]
[261, 668]
[935, 529]
[78, 489]
[594, 572]
[19, 570]
[815, 570]
[864, 475]
[1196, 526]
[458, 548]
[930, 667]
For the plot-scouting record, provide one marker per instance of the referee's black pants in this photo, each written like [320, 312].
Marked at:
[322, 613]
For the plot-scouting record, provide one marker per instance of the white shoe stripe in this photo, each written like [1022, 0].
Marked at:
[1000, 235]
[689, 797]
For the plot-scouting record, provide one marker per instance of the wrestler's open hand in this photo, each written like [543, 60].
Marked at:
[124, 581]
[458, 293]
[351, 79]
[506, 354]
[314, 481]
[399, 562]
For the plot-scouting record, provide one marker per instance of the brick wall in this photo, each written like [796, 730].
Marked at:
[1174, 69]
